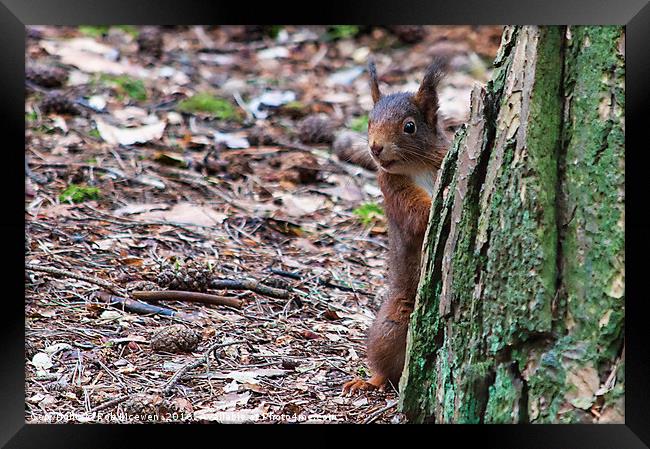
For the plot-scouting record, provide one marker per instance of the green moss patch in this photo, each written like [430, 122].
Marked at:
[102, 30]
[342, 31]
[368, 212]
[209, 104]
[127, 86]
[359, 124]
[78, 193]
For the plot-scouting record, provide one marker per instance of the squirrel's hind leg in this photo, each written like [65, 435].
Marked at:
[376, 382]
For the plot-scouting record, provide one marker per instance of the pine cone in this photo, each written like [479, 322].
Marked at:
[58, 103]
[30, 350]
[143, 406]
[260, 136]
[296, 167]
[144, 286]
[315, 129]
[176, 338]
[409, 34]
[150, 42]
[46, 76]
[192, 276]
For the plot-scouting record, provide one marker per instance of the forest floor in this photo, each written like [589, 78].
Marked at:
[203, 156]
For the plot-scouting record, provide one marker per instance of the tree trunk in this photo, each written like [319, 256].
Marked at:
[520, 311]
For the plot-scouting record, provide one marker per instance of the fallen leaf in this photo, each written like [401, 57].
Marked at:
[169, 158]
[38, 397]
[46, 313]
[151, 181]
[233, 140]
[231, 400]
[110, 315]
[360, 402]
[42, 361]
[132, 261]
[309, 335]
[331, 315]
[349, 192]
[231, 387]
[98, 102]
[273, 53]
[129, 114]
[299, 205]
[345, 77]
[57, 347]
[247, 376]
[129, 136]
[337, 97]
[259, 106]
[90, 56]
[185, 213]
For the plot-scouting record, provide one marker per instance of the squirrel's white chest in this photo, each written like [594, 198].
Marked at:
[425, 180]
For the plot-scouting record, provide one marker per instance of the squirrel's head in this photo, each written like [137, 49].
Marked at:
[404, 131]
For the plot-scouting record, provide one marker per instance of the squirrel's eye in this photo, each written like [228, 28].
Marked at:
[409, 127]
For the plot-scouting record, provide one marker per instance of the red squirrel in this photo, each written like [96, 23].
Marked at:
[407, 142]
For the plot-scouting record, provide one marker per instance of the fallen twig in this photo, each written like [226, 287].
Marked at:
[114, 172]
[321, 281]
[141, 307]
[249, 284]
[70, 274]
[373, 417]
[191, 365]
[176, 295]
[108, 404]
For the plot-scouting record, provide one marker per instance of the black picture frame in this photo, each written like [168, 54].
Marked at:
[15, 14]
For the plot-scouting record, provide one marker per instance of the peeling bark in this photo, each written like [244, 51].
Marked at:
[519, 315]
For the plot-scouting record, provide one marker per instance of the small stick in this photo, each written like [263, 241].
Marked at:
[112, 171]
[288, 274]
[177, 295]
[320, 280]
[248, 284]
[373, 417]
[70, 274]
[191, 365]
[140, 307]
[110, 403]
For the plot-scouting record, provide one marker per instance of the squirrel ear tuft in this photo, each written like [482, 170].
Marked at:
[426, 97]
[374, 83]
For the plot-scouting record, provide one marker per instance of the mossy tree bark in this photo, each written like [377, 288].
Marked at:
[520, 312]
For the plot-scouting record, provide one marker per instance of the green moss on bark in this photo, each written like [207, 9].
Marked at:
[519, 313]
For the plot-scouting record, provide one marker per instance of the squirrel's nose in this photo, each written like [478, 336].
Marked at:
[376, 149]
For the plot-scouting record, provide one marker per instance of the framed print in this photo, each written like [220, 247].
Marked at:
[376, 214]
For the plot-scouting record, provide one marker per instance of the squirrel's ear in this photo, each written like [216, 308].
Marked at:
[374, 83]
[426, 98]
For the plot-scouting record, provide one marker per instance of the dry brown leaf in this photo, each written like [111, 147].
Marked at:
[90, 56]
[247, 376]
[185, 213]
[129, 136]
[299, 205]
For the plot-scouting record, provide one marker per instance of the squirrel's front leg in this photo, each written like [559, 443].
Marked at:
[407, 204]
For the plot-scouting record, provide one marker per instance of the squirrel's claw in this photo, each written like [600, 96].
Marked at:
[357, 384]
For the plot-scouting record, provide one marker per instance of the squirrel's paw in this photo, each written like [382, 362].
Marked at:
[356, 384]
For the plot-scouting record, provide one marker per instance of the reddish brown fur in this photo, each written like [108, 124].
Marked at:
[407, 208]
